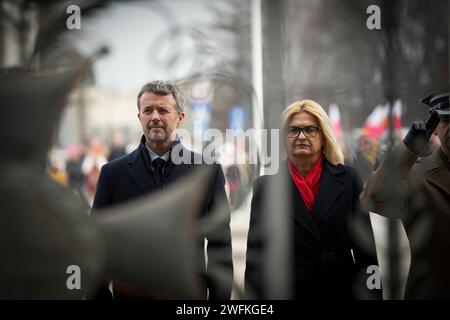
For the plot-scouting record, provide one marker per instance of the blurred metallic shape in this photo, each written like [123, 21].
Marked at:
[53, 24]
[390, 89]
[31, 107]
[151, 243]
[44, 229]
[257, 71]
[277, 231]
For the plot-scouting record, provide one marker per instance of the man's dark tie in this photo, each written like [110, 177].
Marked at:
[158, 164]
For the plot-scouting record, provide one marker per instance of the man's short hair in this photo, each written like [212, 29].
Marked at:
[164, 88]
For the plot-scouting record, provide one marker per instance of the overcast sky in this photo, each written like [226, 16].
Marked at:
[142, 46]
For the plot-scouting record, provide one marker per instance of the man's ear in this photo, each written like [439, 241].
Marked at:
[139, 115]
[180, 118]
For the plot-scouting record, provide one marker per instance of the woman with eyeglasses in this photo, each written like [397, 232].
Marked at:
[328, 261]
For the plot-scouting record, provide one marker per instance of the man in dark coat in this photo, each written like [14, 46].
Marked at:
[152, 166]
[425, 199]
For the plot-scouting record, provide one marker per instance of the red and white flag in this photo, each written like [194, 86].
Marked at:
[335, 118]
[376, 122]
[397, 114]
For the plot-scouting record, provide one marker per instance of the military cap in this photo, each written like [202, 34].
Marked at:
[439, 101]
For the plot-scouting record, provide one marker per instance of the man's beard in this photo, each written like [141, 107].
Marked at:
[159, 137]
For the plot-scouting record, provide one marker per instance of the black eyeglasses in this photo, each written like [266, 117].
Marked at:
[309, 131]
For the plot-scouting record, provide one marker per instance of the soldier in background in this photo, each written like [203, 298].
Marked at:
[425, 198]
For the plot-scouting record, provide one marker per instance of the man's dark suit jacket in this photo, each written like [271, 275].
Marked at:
[131, 176]
[323, 266]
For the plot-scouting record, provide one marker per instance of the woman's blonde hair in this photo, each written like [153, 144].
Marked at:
[331, 150]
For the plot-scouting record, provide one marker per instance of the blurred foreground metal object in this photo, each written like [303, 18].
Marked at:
[44, 228]
[151, 242]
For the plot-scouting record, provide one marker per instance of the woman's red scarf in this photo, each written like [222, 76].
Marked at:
[309, 186]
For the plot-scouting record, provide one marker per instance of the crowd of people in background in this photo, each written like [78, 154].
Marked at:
[78, 167]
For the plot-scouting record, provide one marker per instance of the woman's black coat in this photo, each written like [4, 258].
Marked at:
[328, 261]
